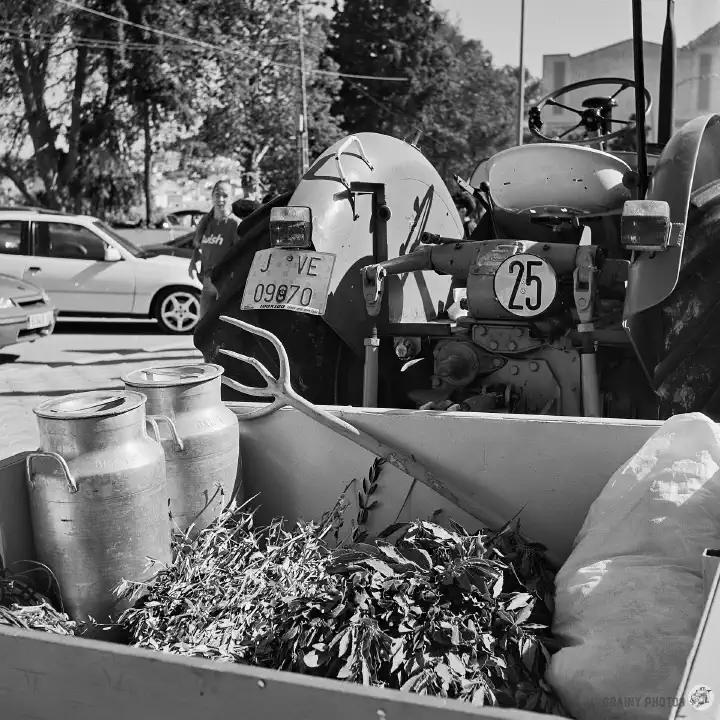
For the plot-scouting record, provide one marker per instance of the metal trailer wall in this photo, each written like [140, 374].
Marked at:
[550, 468]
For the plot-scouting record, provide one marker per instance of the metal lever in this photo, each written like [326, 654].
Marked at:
[373, 284]
[584, 291]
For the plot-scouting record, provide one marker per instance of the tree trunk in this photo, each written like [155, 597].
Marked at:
[147, 180]
[252, 177]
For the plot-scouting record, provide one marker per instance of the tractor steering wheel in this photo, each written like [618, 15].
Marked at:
[596, 115]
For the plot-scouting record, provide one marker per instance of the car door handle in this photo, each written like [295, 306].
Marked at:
[34, 268]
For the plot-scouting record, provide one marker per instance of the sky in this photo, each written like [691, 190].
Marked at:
[570, 26]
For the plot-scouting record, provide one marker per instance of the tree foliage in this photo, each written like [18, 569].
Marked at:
[456, 103]
[96, 90]
[256, 107]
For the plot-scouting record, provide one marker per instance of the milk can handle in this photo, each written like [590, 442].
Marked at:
[152, 421]
[72, 484]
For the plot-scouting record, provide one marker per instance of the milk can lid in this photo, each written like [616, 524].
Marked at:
[172, 375]
[96, 403]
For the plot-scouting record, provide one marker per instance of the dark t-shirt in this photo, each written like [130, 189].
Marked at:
[216, 239]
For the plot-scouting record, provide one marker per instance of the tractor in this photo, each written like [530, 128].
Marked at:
[591, 286]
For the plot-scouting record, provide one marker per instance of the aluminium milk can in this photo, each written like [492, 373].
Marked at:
[201, 440]
[98, 498]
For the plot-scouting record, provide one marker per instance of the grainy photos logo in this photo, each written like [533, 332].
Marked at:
[700, 698]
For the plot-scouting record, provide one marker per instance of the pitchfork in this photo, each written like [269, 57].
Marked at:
[281, 389]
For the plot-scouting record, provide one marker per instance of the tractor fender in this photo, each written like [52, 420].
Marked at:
[673, 321]
[690, 160]
[367, 212]
[394, 203]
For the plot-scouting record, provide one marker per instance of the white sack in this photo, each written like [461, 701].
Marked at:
[630, 597]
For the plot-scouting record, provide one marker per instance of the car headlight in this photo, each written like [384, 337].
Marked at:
[6, 303]
[45, 297]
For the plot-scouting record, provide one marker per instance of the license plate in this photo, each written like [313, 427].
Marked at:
[39, 320]
[288, 280]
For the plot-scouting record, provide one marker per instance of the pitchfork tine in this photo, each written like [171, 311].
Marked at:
[280, 349]
[248, 389]
[262, 370]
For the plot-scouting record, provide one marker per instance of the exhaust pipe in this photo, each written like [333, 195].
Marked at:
[668, 68]
[638, 48]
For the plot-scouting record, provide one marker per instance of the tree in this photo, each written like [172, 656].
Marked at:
[66, 92]
[458, 106]
[93, 94]
[37, 51]
[153, 77]
[474, 116]
[379, 39]
[253, 114]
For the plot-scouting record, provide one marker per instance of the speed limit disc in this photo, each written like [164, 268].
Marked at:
[525, 285]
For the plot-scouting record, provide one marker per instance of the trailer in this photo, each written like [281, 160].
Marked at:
[552, 467]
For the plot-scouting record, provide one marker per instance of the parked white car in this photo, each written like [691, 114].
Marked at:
[90, 270]
[26, 312]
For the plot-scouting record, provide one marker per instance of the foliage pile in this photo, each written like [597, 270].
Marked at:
[22, 606]
[422, 608]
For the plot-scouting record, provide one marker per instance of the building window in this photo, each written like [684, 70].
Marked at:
[558, 82]
[703, 100]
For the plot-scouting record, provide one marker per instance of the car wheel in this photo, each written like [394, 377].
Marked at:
[178, 311]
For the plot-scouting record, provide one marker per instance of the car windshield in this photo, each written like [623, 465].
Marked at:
[119, 239]
[183, 240]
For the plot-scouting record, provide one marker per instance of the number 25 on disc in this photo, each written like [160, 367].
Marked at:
[525, 285]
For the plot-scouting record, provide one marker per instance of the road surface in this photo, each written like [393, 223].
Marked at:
[80, 355]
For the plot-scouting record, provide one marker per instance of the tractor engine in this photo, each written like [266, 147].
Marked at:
[522, 328]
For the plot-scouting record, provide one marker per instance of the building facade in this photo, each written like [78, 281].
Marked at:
[697, 80]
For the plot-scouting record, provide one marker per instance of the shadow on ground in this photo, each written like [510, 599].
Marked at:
[104, 327]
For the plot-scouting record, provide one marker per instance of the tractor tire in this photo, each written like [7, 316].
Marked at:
[688, 369]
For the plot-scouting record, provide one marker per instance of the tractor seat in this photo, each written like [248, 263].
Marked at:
[553, 180]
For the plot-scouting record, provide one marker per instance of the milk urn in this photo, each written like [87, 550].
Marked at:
[98, 498]
[201, 440]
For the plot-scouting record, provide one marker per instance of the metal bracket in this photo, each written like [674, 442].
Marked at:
[584, 284]
[505, 339]
[352, 139]
[677, 235]
[373, 283]
[343, 178]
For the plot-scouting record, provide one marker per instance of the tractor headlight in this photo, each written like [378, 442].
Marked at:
[290, 227]
[646, 225]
